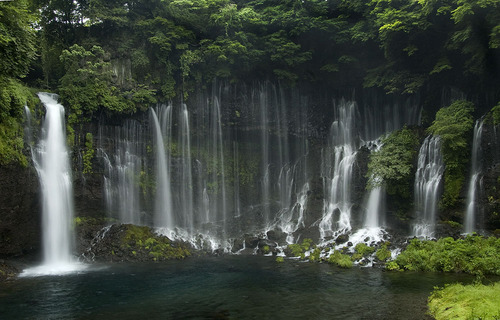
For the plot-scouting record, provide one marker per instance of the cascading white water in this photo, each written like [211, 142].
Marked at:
[218, 208]
[474, 182]
[265, 164]
[186, 182]
[373, 211]
[122, 168]
[163, 203]
[427, 187]
[266, 131]
[337, 164]
[381, 117]
[51, 161]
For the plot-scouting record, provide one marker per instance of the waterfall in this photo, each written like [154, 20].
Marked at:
[427, 186]
[121, 151]
[475, 180]
[51, 160]
[374, 208]
[186, 179]
[52, 164]
[163, 203]
[218, 171]
[266, 179]
[337, 178]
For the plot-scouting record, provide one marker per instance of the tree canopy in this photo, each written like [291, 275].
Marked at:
[173, 46]
[161, 49]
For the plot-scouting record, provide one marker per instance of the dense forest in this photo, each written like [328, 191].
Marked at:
[169, 48]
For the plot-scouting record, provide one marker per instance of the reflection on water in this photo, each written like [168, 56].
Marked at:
[231, 287]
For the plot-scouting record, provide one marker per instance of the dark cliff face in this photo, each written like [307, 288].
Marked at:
[19, 211]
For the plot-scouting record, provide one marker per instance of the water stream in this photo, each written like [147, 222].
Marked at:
[470, 221]
[428, 187]
[51, 161]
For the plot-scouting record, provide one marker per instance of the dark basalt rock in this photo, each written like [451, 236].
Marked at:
[19, 208]
[343, 238]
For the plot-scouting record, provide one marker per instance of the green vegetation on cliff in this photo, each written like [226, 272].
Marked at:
[17, 50]
[453, 125]
[392, 165]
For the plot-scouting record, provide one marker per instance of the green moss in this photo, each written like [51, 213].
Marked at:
[265, 249]
[298, 250]
[280, 259]
[383, 253]
[363, 249]
[141, 240]
[459, 301]
[315, 255]
[340, 260]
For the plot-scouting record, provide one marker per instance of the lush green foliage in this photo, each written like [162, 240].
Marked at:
[362, 250]
[454, 124]
[392, 165]
[17, 50]
[17, 41]
[495, 114]
[170, 46]
[458, 301]
[383, 253]
[340, 260]
[13, 97]
[474, 255]
[86, 86]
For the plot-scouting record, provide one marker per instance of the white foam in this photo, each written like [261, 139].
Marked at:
[54, 270]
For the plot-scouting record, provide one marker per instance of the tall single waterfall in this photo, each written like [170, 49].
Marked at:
[52, 164]
[163, 204]
[338, 161]
[428, 186]
[475, 179]
[186, 178]
[265, 164]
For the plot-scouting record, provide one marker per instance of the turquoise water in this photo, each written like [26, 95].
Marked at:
[232, 287]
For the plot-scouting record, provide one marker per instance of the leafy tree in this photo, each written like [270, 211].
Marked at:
[87, 86]
[392, 165]
[17, 41]
[454, 124]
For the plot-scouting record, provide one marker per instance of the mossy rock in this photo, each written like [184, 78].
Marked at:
[127, 242]
[7, 271]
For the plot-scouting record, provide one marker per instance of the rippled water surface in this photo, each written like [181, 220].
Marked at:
[233, 287]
